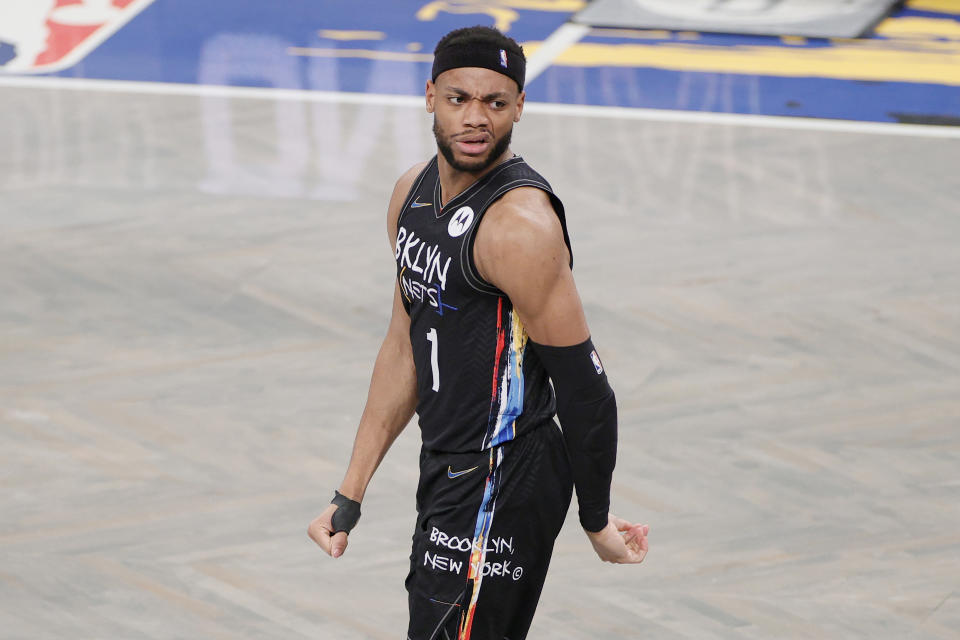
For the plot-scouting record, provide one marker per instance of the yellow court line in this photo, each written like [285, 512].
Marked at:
[336, 34]
[545, 5]
[632, 34]
[503, 12]
[944, 6]
[920, 27]
[369, 54]
[459, 6]
[845, 63]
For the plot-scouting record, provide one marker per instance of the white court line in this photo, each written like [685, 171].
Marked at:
[745, 120]
[559, 41]
[206, 90]
[584, 111]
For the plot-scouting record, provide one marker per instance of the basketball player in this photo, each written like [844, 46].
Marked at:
[485, 315]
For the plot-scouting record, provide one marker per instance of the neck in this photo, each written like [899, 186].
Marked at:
[453, 182]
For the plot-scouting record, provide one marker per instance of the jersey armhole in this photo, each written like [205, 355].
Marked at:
[412, 193]
[403, 209]
[470, 271]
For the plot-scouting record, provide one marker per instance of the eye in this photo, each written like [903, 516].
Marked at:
[455, 99]
[499, 104]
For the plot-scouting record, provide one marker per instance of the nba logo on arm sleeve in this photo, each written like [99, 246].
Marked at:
[596, 362]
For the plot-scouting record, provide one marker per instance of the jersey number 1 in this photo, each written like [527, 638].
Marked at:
[434, 365]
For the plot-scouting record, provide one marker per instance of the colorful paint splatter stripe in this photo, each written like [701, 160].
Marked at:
[481, 534]
[506, 402]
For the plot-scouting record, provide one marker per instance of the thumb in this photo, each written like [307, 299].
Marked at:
[338, 544]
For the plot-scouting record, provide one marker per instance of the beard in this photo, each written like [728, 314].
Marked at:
[473, 165]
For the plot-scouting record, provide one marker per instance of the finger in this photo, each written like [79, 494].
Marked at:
[620, 523]
[638, 535]
[641, 548]
[319, 534]
[634, 545]
[636, 531]
[628, 528]
[338, 544]
[633, 556]
[625, 525]
[637, 548]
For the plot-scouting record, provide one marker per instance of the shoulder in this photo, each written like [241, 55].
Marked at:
[405, 181]
[520, 230]
[400, 191]
[523, 219]
[403, 185]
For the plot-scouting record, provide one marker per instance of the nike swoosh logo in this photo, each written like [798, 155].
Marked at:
[456, 474]
[415, 204]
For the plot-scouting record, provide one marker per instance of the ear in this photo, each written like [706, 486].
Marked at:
[520, 99]
[431, 93]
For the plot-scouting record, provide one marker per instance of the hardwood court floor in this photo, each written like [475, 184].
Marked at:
[193, 291]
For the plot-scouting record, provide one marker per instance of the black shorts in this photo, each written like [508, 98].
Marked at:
[486, 524]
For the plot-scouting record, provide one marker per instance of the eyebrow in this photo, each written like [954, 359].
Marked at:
[489, 96]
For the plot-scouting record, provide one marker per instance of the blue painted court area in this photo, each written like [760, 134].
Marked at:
[364, 45]
[909, 72]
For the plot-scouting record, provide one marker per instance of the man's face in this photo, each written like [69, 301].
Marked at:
[474, 111]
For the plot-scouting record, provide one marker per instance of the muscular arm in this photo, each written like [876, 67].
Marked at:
[391, 398]
[390, 404]
[520, 249]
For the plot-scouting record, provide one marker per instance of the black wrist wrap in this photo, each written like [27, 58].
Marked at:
[347, 513]
[587, 409]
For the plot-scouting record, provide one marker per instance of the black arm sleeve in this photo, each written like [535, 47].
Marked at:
[587, 409]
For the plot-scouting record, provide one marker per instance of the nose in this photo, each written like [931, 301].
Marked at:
[475, 114]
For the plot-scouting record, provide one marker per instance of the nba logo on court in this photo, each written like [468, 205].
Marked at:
[49, 35]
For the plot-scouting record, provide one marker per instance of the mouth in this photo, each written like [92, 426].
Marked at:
[474, 145]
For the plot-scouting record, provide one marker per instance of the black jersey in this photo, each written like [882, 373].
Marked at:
[479, 383]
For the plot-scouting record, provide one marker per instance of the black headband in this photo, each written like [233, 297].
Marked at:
[480, 54]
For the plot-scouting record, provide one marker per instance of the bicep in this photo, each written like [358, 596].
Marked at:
[525, 255]
[549, 307]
